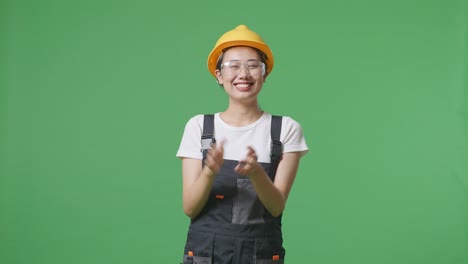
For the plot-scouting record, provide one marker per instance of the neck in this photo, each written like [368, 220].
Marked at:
[241, 114]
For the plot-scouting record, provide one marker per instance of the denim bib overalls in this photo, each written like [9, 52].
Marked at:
[234, 227]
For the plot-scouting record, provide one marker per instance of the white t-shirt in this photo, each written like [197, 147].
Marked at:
[236, 139]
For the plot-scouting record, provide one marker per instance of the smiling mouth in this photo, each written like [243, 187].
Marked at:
[243, 86]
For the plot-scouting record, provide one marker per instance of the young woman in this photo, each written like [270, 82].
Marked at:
[238, 165]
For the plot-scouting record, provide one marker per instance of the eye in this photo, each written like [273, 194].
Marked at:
[234, 66]
[254, 64]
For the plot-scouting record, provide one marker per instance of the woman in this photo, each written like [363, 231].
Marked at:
[239, 165]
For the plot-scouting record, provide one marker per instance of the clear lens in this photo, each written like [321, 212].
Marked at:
[252, 67]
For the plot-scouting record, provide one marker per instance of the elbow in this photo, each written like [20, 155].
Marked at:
[191, 215]
[191, 208]
[188, 208]
[277, 211]
[276, 214]
[190, 212]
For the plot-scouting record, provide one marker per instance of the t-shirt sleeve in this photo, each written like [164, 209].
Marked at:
[292, 137]
[190, 145]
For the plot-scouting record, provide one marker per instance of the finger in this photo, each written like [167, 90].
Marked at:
[240, 168]
[251, 159]
[221, 144]
[216, 149]
[251, 153]
[211, 153]
[218, 145]
[214, 162]
[247, 169]
[244, 167]
[251, 150]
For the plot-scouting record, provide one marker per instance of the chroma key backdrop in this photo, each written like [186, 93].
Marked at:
[94, 97]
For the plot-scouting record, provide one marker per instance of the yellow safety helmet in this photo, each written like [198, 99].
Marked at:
[240, 36]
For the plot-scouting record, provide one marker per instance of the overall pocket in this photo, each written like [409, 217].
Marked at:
[269, 261]
[269, 250]
[198, 248]
[196, 260]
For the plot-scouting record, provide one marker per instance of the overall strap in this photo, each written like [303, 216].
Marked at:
[276, 144]
[207, 138]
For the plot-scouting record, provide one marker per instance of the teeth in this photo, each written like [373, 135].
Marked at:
[241, 85]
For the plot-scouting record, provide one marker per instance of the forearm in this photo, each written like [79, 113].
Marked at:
[197, 193]
[273, 200]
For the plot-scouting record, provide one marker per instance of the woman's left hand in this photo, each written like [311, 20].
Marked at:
[249, 165]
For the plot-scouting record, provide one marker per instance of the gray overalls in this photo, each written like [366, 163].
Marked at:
[234, 227]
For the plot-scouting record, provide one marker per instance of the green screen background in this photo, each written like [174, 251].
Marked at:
[94, 96]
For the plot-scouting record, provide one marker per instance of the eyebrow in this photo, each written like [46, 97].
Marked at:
[247, 60]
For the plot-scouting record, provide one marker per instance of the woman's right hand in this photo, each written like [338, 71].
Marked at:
[215, 157]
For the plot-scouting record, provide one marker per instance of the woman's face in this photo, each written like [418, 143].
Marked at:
[241, 73]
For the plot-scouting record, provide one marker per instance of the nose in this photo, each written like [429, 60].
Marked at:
[244, 71]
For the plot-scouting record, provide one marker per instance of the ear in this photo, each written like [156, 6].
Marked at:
[219, 77]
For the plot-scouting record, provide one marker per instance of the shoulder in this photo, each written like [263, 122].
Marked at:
[190, 144]
[288, 122]
[196, 118]
[292, 136]
[195, 121]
